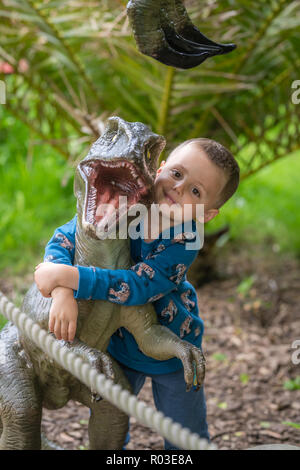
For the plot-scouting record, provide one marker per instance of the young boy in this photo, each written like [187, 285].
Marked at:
[199, 171]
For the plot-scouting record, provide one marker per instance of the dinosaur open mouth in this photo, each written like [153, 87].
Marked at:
[113, 187]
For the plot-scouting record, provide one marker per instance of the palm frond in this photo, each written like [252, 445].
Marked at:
[83, 66]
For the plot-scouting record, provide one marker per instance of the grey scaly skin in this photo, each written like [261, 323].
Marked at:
[164, 31]
[29, 379]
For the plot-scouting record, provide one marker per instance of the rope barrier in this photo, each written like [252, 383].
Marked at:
[173, 432]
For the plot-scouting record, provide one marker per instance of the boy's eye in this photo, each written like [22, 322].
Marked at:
[196, 192]
[176, 173]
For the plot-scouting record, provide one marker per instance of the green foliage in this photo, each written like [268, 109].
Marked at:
[36, 194]
[293, 425]
[244, 378]
[265, 208]
[83, 65]
[219, 357]
[2, 321]
[265, 424]
[292, 384]
[223, 405]
[244, 287]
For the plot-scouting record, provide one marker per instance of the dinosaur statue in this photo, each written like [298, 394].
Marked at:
[124, 157]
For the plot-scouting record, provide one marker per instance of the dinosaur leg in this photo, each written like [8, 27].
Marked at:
[108, 427]
[20, 399]
[107, 424]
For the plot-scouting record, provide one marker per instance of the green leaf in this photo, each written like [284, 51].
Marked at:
[246, 284]
[244, 378]
[219, 357]
[265, 424]
[222, 405]
[292, 384]
[83, 421]
[293, 425]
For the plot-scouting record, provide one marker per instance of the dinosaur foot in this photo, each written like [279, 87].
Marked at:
[96, 397]
[164, 31]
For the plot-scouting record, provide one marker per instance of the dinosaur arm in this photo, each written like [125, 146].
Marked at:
[159, 342]
[140, 284]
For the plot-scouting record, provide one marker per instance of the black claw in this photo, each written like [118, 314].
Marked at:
[183, 53]
[96, 398]
[188, 387]
[184, 45]
[193, 34]
[169, 56]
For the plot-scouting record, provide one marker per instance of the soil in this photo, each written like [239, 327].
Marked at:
[252, 318]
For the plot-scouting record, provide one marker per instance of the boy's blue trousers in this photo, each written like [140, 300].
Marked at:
[170, 397]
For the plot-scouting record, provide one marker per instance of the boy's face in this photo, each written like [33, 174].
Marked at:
[189, 177]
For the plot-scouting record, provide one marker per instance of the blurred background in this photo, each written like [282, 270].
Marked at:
[69, 65]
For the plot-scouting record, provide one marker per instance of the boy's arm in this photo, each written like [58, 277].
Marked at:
[64, 310]
[59, 250]
[61, 247]
[142, 283]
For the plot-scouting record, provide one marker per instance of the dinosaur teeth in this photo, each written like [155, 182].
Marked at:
[113, 188]
[109, 165]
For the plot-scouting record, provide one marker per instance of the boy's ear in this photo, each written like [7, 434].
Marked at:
[210, 214]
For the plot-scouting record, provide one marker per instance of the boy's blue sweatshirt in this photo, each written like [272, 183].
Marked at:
[159, 276]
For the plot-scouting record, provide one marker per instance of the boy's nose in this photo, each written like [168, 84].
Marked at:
[179, 187]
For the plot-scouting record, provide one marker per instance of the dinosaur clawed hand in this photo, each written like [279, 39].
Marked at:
[193, 362]
[103, 364]
[164, 31]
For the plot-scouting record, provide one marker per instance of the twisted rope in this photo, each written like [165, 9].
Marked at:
[173, 432]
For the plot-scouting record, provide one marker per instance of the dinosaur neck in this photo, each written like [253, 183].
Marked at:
[107, 254]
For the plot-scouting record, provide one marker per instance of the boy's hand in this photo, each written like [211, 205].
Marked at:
[50, 275]
[63, 314]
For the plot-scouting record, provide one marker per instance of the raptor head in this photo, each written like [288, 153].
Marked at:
[120, 168]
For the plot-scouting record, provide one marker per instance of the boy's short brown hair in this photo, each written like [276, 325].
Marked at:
[222, 158]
